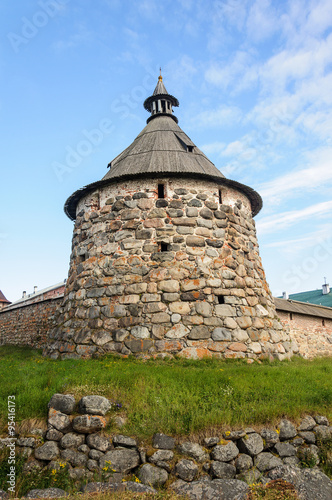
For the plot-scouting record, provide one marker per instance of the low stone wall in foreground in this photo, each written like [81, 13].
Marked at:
[222, 464]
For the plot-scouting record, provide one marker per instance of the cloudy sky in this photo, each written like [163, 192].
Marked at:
[254, 81]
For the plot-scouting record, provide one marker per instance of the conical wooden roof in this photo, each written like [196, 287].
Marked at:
[163, 148]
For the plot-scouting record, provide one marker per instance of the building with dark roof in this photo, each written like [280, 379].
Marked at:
[165, 258]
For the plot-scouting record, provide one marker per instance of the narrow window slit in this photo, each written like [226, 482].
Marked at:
[221, 299]
[323, 322]
[161, 191]
[291, 316]
[220, 197]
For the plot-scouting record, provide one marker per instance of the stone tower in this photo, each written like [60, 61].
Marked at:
[165, 258]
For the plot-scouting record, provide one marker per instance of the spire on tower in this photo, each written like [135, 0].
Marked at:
[161, 102]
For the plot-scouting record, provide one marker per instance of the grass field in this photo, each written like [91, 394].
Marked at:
[179, 397]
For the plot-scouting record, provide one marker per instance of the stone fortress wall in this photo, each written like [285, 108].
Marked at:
[168, 270]
[312, 334]
[28, 324]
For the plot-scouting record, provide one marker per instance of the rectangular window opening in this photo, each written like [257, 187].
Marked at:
[220, 197]
[161, 191]
[221, 299]
[164, 247]
[190, 149]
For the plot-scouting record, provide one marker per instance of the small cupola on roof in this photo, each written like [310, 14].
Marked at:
[160, 102]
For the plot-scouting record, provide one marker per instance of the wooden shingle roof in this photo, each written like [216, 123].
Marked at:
[163, 148]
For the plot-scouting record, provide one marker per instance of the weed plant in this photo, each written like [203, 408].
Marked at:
[307, 459]
[58, 477]
[275, 490]
[160, 495]
[325, 456]
[35, 478]
[174, 396]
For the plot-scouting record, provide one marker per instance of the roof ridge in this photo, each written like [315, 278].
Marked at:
[305, 303]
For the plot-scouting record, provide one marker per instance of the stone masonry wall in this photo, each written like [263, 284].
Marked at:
[312, 337]
[28, 324]
[175, 275]
[220, 466]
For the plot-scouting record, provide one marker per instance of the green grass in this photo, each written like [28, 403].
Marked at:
[171, 396]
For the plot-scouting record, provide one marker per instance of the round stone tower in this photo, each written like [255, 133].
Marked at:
[165, 257]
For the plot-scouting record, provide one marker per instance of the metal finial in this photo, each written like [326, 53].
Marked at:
[160, 77]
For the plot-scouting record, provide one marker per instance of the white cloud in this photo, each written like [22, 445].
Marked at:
[278, 222]
[181, 73]
[295, 246]
[150, 9]
[316, 17]
[213, 148]
[293, 65]
[240, 149]
[301, 181]
[238, 74]
[223, 116]
[231, 12]
[262, 21]
[82, 36]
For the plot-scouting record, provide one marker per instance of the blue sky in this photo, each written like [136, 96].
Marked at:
[254, 81]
